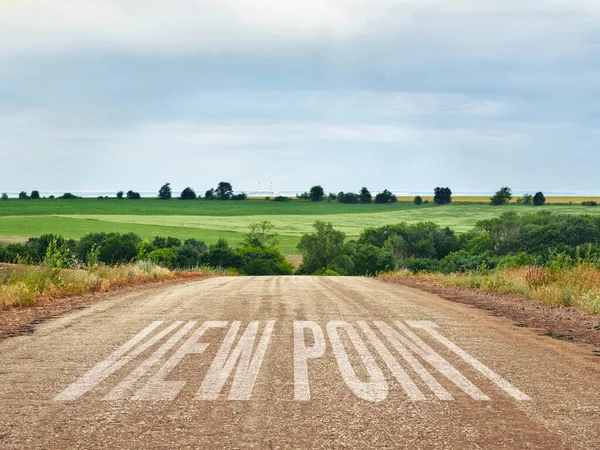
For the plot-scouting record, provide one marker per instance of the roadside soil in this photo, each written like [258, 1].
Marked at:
[557, 321]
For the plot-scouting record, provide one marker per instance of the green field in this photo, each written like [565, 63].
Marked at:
[211, 220]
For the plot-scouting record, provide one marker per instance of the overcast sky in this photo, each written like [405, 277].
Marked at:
[398, 94]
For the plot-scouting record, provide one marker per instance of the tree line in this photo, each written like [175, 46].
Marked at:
[534, 239]
[224, 191]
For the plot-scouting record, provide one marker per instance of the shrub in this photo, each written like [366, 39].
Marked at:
[416, 265]
[365, 196]
[164, 257]
[113, 248]
[188, 194]
[131, 195]
[69, 196]
[164, 193]
[370, 260]
[263, 261]
[4, 196]
[23, 195]
[35, 195]
[332, 197]
[418, 200]
[281, 198]
[316, 194]
[303, 196]
[442, 195]
[589, 203]
[209, 195]
[385, 197]
[527, 199]
[190, 254]
[221, 255]
[240, 196]
[348, 197]
[539, 199]
[120, 195]
[502, 197]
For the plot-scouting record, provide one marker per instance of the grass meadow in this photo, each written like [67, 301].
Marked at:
[211, 220]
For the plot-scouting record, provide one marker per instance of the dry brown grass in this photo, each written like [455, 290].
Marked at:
[578, 286]
[22, 285]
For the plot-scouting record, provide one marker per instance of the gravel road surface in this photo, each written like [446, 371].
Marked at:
[293, 362]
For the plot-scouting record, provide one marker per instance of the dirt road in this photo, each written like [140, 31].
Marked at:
[293, 362]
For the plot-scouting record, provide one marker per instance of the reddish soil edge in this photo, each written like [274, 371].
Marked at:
[16, 321]
[559, 322]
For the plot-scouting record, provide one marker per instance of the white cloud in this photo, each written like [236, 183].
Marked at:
[187, 25]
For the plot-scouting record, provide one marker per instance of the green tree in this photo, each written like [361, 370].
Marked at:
[385, 196]
[539, 199]
[261, 235]
[418, 200]
[164, 192]
[209, 195]
[316, 194]
[188, 194]
[120, 194]
[35, 194]
[23, 195]
[132, 195]
[224, 191]
[527, 199]
[4, 196]
[502, 197]
[321, 249]
[163, 257]
[365, 196]
[442, 195]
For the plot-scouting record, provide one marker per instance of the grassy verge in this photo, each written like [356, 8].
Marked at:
[22, 285]
[578, 287]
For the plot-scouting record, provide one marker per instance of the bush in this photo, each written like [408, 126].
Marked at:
[371, 260]
[385, 197]
[418, 200]
[241, 196]
[131, 195]
[281, 198]
[120, 195]
[35, 195]
[442, 195]
[190, 254]
[209, 195]
[365, 196]
[221, 255]
[416, 265]
[527, 199]
[164, 257]
[69, 196]
[23, 195]
[188, 194]
[303, 196]
[539, 199]
[589, 203]
[4, 196]
[502, 197]
[348, 197]
[316, 194]
[263, 261]
[164, 192]
[113, 248]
